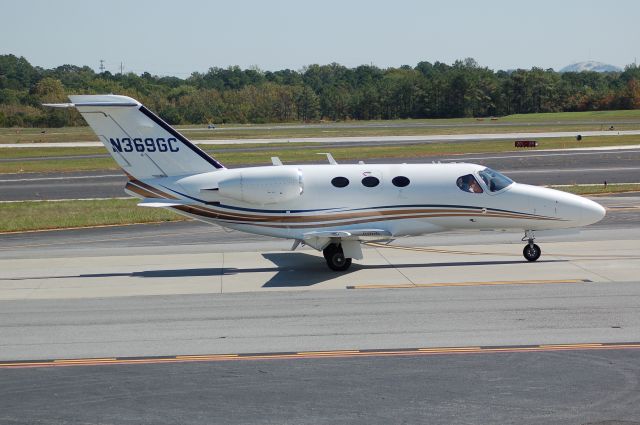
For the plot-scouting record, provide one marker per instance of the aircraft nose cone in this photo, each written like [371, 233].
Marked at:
[592, 212]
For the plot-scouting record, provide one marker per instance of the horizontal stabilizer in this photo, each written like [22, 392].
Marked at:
[162, 203]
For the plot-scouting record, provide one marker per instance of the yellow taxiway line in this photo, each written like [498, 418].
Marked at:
[427, 351]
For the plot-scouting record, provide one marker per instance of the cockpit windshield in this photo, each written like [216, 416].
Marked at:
[494, 180]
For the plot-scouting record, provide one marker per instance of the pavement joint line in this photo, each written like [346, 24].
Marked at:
[411, 283]
[315, 354]
[434, 250]
[479, 283]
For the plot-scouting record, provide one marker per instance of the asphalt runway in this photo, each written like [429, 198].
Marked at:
[550, 387]
[532, 167]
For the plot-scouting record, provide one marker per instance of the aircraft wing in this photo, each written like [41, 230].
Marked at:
[359, 234]
[349, 239]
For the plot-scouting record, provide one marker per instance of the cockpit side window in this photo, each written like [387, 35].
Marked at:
[469, 184]
[494, 180]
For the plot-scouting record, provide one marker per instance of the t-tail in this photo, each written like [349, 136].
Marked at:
[142, 143]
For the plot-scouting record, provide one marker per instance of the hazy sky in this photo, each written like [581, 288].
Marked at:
[178, 37]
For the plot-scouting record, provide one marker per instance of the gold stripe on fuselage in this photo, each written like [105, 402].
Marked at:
[325, 220]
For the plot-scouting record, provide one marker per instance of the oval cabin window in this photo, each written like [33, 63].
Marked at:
[370, 181]
[400, 181]
[340, 181]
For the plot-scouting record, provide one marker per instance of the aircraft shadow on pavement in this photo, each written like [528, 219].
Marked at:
[292, 269]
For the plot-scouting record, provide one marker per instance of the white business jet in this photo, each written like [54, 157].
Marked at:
[332, 207]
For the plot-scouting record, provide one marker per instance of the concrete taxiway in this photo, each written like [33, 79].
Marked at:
[88, 271]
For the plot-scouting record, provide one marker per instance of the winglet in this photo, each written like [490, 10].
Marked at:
[329, 158]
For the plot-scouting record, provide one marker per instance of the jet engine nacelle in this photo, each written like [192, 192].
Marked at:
[263, 185]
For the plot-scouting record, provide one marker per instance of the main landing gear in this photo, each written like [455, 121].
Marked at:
[531, 251]
[335, 257]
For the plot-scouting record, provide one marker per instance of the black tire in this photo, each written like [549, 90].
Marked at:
[335, 258]
[531, 252]
[329, 251]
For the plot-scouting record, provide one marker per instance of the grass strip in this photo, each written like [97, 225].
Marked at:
[290, 154]
[560, 121]
[40, 215]
[599, 189]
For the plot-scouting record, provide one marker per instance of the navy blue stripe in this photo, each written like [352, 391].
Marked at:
[153, 117]
[341, 210]
[218, 204]
[441, 206]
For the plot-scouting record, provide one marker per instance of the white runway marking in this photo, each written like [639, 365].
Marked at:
[367, 139]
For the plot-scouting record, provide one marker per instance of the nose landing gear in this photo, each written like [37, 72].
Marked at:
[531, 251]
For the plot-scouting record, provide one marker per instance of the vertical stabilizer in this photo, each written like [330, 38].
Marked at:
[141, 143]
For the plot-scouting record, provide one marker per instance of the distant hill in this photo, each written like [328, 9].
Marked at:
[590, 66]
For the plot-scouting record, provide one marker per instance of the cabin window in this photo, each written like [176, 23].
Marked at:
[494, 180]
[340, 181]
[469, 184]
[400, 181]
[370, 181]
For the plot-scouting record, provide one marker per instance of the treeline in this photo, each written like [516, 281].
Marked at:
[330, 92]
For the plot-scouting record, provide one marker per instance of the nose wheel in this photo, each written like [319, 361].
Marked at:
[335, 258]
[531, 251]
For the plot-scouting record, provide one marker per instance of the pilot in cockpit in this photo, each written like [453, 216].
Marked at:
[469, 184]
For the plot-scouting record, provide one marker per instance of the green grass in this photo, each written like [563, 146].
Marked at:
[59, 165]
[9, 153]
[309, 154]
[34, 215]
[31, 135]
[599, 189]
[597, 120]
[595, 116]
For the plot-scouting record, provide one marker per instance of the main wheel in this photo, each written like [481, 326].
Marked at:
[335, 258]
[531, 252]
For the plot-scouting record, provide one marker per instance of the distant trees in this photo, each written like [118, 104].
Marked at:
[333, 92]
